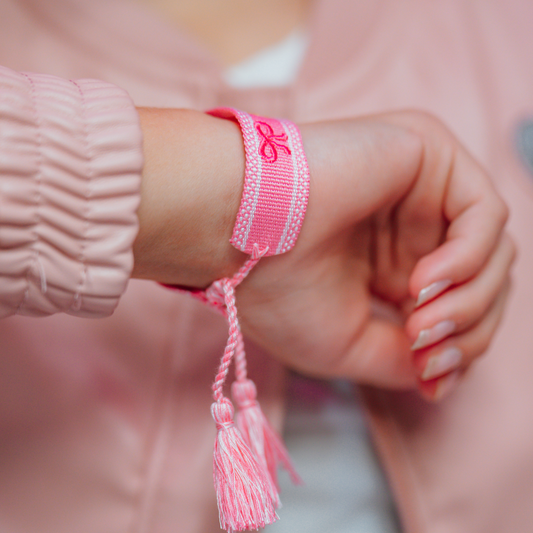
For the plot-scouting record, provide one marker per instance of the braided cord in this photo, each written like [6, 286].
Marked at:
[224, 290]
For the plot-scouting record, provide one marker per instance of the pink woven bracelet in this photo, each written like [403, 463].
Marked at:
[276, 183]
[271, 213]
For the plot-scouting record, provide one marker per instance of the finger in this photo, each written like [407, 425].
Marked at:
[476, 222]
[470, 344]
[459, 308]
[475, 212]
[459, 351]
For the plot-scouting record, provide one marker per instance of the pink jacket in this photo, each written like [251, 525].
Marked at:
[105, 424]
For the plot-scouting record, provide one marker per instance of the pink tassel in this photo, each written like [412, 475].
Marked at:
[245, 480]
[242, 487]
[265, 443]
[272, 210]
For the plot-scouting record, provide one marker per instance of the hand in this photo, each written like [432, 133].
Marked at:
[396, 206]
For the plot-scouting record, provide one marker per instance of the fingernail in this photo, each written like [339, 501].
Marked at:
[432, 335]
[437, 365]
[429, 292]
[446, 385]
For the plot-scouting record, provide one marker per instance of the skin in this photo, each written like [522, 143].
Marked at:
[396, 204]
[190, 194]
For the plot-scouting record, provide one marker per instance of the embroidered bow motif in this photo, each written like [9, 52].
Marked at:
[270, 143]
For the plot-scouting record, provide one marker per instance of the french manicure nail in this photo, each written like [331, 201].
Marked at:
[446, 385]
[429, 292]
[437, 365]
[435, 334]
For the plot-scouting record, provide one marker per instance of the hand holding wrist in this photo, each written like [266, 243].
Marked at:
[396, 205]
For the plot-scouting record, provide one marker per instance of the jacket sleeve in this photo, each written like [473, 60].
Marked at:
[70, 166]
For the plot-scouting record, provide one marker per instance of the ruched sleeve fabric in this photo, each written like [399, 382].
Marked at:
[70, 167]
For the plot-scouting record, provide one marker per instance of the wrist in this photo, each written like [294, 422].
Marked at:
[190, 193]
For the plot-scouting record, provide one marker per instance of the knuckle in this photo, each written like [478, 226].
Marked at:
[484, 344]
[497, 208]
[428, 119]
[427, 122]
[477, 348]
[502, 211]
[513, 251]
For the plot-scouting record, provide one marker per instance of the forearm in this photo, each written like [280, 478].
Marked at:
[191, 188]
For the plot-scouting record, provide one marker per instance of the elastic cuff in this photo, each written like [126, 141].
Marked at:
[70, 166]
